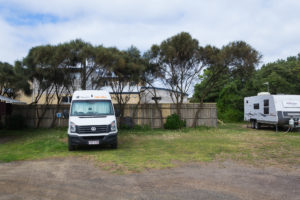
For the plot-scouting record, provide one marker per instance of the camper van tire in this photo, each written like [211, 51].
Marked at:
[70, 146]
[114, 145]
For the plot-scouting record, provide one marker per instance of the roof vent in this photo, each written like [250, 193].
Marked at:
[263, 93]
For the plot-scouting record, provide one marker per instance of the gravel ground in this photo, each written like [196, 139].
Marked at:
[72, 178]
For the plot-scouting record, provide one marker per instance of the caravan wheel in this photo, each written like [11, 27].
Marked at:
[253, 124]
[257, 125]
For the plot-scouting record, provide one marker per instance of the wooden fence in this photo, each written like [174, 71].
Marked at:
[144, 114]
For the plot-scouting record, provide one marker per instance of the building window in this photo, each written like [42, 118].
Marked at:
[156, 98]
[256, 106]
[66, 99]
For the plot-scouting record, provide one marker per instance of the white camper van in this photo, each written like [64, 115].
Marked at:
[92, 119]
[277, 110]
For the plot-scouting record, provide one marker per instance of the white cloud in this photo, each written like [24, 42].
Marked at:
[271, 26]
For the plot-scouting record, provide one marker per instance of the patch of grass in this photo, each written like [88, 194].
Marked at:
[144, 148]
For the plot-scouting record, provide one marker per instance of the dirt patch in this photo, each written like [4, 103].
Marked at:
[78, 178]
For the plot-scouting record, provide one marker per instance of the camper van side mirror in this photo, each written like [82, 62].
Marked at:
[66, 114]
[117, 113]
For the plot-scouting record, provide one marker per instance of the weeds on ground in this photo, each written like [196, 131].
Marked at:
[145, 148]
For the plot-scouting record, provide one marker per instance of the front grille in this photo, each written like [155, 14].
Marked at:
[93, 129]
[93, 137]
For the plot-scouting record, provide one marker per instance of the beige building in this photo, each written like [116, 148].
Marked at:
[134, 95]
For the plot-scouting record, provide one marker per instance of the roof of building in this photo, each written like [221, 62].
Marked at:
[135, 89]
[9, 100]
[159, 88]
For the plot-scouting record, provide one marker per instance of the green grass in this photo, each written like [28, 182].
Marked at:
[155, 149]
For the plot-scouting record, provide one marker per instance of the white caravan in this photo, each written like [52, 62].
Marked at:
[92, 119]
[277, 110]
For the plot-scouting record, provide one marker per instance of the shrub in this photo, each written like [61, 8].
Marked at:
[126, 123]
[15, 122]
[174, 122]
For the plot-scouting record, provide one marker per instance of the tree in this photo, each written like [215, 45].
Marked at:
[61, 76]
[234, 64]
[282, 76]
[82, 57]
[50, 75]
[124, 75]
[151, 75]
[179, 62]
[13, 79]
[212, 78]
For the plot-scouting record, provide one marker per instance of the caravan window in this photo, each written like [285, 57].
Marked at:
[266, 102]
[266, 106]
[256, 106]
[266, 110]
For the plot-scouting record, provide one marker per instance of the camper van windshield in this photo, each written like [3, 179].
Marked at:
[91, 108]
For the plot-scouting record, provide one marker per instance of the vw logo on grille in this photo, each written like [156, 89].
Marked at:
[93, 128]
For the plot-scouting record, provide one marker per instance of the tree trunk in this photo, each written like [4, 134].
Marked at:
[178, 109]
[83, 77]
[40, 117]
[160, 113]
[197, 113]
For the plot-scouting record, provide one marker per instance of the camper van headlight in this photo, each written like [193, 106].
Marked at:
[72, 127]
[113, 126]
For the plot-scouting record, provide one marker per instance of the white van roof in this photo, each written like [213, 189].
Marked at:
[91, 95]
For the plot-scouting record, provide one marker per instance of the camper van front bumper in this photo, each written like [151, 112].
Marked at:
[86, 140]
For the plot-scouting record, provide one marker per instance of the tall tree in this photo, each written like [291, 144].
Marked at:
[233, 65]
[13, 79]
[283, 76]
[82, 56]
[125, 75]
[180, 63]
[50, 75]
[151, 76]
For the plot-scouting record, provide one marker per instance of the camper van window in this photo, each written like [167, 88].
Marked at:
[266, 102]
[256, 106]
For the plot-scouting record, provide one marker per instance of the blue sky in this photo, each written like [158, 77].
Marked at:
[270, 26]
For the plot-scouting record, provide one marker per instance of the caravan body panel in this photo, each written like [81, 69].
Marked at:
[272, 109]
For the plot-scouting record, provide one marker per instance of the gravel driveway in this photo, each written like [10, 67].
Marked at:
[73, 178]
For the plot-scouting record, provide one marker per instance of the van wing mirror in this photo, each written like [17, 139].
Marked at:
[66, 114]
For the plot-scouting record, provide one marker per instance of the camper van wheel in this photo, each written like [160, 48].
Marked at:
[257, 125]
[70, 146]
[114, 145]
[253, 124]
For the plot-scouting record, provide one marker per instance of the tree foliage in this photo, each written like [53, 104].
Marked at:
[283, 76]
[124, 75]
[179, 61]
[226, 75]
[13, 79]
